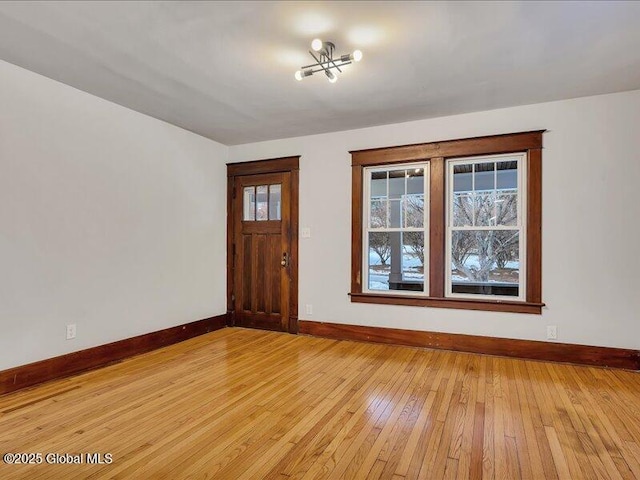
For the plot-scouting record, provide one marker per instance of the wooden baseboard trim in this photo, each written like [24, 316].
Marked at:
[527, 349]
[72, 363]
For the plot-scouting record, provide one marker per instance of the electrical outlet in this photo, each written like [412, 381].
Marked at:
[308, 309]
[552, 332]
[71, 331]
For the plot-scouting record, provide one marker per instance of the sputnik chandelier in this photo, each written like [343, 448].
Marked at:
[322, 53]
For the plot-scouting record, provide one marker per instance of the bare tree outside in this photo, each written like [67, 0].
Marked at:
[380, 243]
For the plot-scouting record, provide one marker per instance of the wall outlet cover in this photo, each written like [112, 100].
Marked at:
[71, 331]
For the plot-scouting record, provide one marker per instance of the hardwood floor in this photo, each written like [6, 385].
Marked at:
[249, 404]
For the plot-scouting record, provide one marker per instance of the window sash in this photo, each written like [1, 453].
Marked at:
[367, 229]
[521, 159]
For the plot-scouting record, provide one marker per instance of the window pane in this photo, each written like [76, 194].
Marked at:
[396, 261]
[262, 212]
[412, 262]
[378, 184]
[415, 181]
[507, 208]
[507, 193]
[485, 204]
[462, 209]
[414, 211]
[507, 175]
[395, 213]
[249, 203]
[378, 214]
[379, 261]
[485, 262]
[396, 183]
[275, 198]
[484, 176]
[462, 180]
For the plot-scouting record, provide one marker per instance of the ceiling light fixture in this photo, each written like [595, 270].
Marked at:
[325, 61]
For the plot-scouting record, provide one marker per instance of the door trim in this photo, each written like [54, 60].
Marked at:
[272, 165]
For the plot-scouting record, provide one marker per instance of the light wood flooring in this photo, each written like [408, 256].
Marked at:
[246, 404]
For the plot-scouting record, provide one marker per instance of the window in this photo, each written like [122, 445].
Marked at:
[453, 224]
[485, 227]
[394, 232]
[261, 203]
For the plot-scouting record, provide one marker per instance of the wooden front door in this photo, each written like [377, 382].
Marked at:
[263, 255]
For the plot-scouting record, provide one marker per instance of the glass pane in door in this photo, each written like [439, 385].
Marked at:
[275, 199]
[249, 204]
[262, 212]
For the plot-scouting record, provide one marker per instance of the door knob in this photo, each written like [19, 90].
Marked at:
[285, 260]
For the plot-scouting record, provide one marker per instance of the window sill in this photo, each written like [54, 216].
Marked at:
[438, 302]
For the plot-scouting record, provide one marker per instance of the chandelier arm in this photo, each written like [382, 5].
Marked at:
[319, 61]
[318, 70]
[335, 65]
[341, 64]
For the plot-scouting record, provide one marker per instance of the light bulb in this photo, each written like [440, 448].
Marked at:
[298, 75]
[333, 78]
[357, 55]
[316, 44]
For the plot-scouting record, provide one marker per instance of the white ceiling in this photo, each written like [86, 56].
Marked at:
[225, 69]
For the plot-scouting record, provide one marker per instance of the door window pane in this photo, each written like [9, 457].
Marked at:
[249, 204]
[275, 198]
[262, 212]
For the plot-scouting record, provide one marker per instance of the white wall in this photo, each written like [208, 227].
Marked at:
[591, 217]
[116, 221]
[108, 219]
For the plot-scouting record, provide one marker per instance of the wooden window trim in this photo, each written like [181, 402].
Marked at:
[437, 153]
